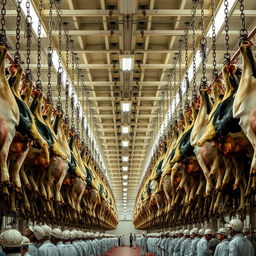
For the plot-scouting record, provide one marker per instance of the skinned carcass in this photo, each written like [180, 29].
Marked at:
[225, 131]
[244, 106]
[9, 118]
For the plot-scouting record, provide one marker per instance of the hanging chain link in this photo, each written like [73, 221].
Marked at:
[227, 54]
[77, 104]
[174, 82]
[3, 39]
[83, 106]
[49, 54]
[194, 93]
[243, 30]
[60, 69]
[67, 83]
[214, 62]
[39, 31]
[203, 45]
[73, 93]
[17, 57]
[186, 61]
[28, 35]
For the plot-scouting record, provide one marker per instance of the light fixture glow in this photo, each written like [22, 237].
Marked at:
[125, 189]
[125, 143]
[35, 18]
[220, 17]
[125, 198]
[125, 158]
[125, 183]
[125, 168]
[126, 63]
[125, 177]
[125, 129]
[124, 195]
[125, 106]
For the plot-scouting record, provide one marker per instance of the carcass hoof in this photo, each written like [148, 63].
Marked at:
[235, 186]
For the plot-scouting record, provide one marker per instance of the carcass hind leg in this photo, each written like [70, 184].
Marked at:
[5, 177]
[17, 167]
[209, 135]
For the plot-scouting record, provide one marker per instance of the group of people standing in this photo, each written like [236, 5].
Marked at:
[233, 240]
[45, 241]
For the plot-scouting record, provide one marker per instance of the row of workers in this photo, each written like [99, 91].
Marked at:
[229, 241]
[45, 241]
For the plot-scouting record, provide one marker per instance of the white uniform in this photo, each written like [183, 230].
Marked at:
[240, 246]
[177, 246]
[143, 246]
[222, 248]
[48, 249]
[33, 250]
[203, 248]
[71, 249]
[194, 243]
[185, 247]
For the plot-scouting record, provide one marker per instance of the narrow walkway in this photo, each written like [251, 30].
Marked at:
[125, 251]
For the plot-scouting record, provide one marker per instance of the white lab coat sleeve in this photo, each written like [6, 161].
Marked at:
[233, 249]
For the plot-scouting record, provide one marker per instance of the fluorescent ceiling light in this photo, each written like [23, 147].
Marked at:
[125, 106]
[125, 183]
[125, 158]
[125, 168]
[125, 189]
[125, 198]
[127, 62]
[35, 18]
[125, 143]
[125, 177]
[124, 195]
[220, 17]
[125, 129]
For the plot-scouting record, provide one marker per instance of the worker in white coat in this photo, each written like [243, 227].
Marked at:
[47, 248]
[143, 245]
[195, 237]
[203, 245]
[222, 247]
[11, 241]
[25, 246]
[34, 234]
[174, 243]
[57, 237]
[179, 242]
[185, 247]
[69, 248]
[239, 245]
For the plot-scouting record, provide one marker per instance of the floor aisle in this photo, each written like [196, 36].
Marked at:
[125, 251]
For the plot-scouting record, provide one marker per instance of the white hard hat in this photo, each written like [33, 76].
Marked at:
[38, 232]
[181, 231]
[223, 231]
[195, 231]
[74, 234]
[236, 225]
[66, 234]
[25, 241]
[209, 231]
[79, 234]
[11, 238]
[201, 231]
[186, 232]
[47, 230]
[57, 233]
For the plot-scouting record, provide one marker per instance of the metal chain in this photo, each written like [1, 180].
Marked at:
[38, 82]
[203, 44]
[28, 35]
[67, 83]
[17, 57]
[3, 39]
[49, 94]
[243, 30]
[174, 82]
[186, 61]
[73, 93]
[227, 54]
[60, 69]
[77, 104]
[83, 106]
[194, 93]
[214, 62]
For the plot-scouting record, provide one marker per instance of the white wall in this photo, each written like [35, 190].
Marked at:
[125, 227]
